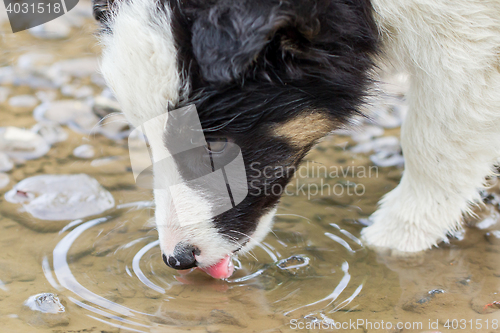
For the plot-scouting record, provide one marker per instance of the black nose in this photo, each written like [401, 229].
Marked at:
[183, 257]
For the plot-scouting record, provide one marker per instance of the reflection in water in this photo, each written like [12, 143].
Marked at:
[137, 269]
[66, 278]
[273, 278]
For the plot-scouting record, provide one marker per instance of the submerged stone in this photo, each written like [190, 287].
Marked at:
[4, 93]
[23, 101]
[50, 132]
[21, 144]
[6, 163]
[84, 151]
[4, 180]
[44, 310]
[293, 262]
[62, 111]
[61, 197]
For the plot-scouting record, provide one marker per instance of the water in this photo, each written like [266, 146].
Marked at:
[106, 269]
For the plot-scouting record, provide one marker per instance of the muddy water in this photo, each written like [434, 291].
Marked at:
[106, 269]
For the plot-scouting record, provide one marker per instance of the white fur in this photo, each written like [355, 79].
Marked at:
[451, 136]
[264, 226]
[140, 65]
[140, 60]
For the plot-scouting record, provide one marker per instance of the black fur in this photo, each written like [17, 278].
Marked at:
[253, 64]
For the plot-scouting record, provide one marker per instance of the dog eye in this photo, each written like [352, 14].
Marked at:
[216, 145]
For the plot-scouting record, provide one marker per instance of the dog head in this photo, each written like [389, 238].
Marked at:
[270, 77]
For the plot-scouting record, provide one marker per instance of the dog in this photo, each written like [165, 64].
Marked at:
[276, 76]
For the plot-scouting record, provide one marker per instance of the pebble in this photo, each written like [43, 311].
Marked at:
[387, 151]
[6, 163]
[44, 310]
[61, 111]
[55, 29]
[76, 114]
[387, 159]
[79, 68]
[390, 143]
[493, 237]
[46, 303]
[4, 93]
[98, 80]
[4, 180]
[46, 95]
[79, 116]
[293, 262]
[104, 105]
[76, 91]
[34, 60]
[50, 132]
[61, 197]
[21, 144]
[296, 265]
[23, 101]
[84, 151]
[114, 127]
[7, 75]
[367, 133]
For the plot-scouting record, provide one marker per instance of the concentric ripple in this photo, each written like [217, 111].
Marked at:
[111, 268]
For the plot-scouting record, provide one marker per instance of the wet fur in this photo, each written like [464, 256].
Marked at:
[253, 66]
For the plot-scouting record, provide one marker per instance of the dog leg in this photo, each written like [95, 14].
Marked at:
[450, 138]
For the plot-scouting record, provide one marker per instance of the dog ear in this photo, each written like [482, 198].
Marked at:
[228, 37]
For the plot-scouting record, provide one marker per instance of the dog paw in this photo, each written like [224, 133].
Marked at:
[400, 239]
[391, 230]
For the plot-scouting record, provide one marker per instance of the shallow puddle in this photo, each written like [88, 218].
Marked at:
[104, 272]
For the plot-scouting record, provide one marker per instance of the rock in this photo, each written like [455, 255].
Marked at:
[55, 29]
[6, 163]
[296, 265]
[46, 96]
[77, 91]
[61, 197]
[388, 143]
[4, 93]
[114, 127]
[387, 151]
[22, 144]
[50, 132]
[430, 301]
[23, 101]
[293, 262]
[7, 75]
[44, 310]
[98, 80]
[387, 159]
[493, 237]
[104, 106]
[4, 180]
[84, 151]
[367, 133]
[34, 60]
[77, 115]
[62, 111]
[79, 68]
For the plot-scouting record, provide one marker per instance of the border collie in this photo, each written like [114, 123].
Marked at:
[275, 76]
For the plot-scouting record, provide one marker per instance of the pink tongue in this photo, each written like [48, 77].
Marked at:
[221, 270]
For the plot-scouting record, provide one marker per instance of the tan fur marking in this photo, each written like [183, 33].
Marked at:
[304, 129]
